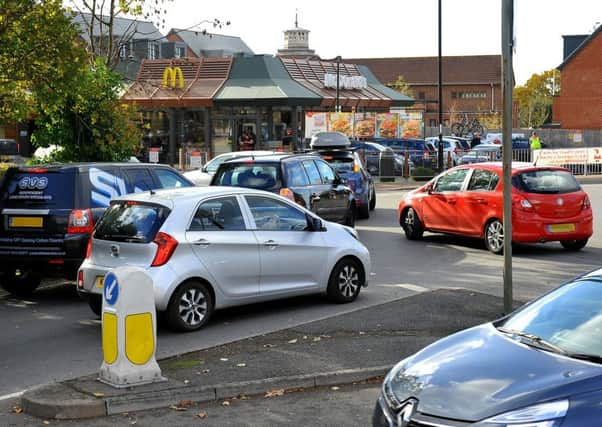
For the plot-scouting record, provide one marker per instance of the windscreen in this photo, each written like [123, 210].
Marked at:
[546, 182]
[262, 176]
[131, 222]
[38, 190]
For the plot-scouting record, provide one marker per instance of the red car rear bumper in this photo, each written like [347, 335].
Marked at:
[534, 228]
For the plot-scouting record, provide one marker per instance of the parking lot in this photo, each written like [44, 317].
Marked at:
[53, 329]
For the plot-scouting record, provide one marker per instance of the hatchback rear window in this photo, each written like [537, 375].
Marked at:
[131, 222]
[546, 182]
[39, 189]
[262, 176]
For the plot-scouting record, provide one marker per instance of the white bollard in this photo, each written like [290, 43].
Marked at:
[129, 335]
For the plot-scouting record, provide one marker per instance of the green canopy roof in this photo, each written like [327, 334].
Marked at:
[263, 80]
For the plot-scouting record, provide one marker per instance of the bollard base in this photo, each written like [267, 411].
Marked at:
[120, 378]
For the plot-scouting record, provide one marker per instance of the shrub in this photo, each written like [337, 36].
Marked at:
[421, 173]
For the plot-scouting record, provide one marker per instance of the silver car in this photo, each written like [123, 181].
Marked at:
[213, 247]
[202, 177]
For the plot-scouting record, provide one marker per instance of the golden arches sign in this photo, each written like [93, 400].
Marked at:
[170, 75]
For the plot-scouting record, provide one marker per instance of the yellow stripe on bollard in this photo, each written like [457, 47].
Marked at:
[139, 338]
[109, 337]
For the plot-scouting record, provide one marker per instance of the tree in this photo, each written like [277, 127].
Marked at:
[90, 123]
[402, 86]
[39, 50]
[534, 98]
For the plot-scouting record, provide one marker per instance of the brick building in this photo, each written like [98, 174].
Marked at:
[471, 84]
[579, 105]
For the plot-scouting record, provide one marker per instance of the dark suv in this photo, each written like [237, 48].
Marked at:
[48, 212]
[306, 179]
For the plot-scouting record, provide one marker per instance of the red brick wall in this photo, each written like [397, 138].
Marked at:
[579, 105]
[173, 37]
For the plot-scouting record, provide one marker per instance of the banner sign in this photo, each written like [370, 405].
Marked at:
[395, 124]
[345, 82]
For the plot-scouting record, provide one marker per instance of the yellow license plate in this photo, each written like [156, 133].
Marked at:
[26, 221]
[99, 281]
[561, 228]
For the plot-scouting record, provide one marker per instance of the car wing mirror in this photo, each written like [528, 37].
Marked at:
[313, 223]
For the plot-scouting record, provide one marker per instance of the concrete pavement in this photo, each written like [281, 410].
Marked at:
[345, 349]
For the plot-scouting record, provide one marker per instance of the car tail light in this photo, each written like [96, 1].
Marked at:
[37, 170]
[525, 205]
[356, 166]
[80, 279]
[166, 245]
[586, 204]
[80, 221]
[288, 193]
[89, 248]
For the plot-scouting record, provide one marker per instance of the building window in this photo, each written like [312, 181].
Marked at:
[153, 51]
[432, 123]
[469, 95]
[421, 95]
[180, 52]
[123, 51]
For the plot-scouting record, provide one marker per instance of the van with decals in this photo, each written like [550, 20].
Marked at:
[47, 213]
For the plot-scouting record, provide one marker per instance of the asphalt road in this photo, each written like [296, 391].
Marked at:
[54, 336]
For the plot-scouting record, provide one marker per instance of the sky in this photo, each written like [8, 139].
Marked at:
[402, 28]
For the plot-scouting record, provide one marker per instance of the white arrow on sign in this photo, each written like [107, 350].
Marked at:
[110, 288]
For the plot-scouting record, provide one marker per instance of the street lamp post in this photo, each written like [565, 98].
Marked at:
[337, 106]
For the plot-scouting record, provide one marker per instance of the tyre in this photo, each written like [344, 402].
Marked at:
[363, 211]
[95, 303]
[373, 200]
[350, 217]
[574, 245]
[22, 284]
[346, 279]
[411, 224]
[494, 236]
[190, 307]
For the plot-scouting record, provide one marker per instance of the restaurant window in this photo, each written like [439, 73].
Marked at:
[180, 52]
[153, 50]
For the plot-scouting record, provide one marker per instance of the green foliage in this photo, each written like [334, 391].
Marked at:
[421, 173]
[38, 51]
[534, 98]
[90, 124]
[402, 86]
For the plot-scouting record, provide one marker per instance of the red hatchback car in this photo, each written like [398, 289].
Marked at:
[548, 204]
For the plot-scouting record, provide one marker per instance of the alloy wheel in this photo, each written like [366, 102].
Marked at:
[193, 307]
[348, 281]
[495, 236]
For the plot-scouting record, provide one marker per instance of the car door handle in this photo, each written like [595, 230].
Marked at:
[270, 244]
[451, 201]
[203, 243]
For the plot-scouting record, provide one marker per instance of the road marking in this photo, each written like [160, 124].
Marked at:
[12, 395]
[408, 286]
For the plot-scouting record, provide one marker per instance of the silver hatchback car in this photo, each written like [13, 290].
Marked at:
[213, 247]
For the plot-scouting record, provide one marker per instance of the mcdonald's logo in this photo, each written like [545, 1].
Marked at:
[170, 75]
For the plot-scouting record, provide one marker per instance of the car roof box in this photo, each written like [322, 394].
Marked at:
[329, 140]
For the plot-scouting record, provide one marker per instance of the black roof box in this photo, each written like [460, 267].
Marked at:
[329, 140]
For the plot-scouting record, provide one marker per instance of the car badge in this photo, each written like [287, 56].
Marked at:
[408, 408]
[114, 250]
[559, 201]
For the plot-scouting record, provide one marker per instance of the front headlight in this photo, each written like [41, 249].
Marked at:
[393, 401]
[542, 415]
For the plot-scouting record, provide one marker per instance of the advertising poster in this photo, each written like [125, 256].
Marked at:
[314, 123]
[410, 124]
[340, 122]
[386, 125]
[364, 125]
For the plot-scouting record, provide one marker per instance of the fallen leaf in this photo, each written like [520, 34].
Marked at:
[133, 422]
[17, 409]
[241, 365]
[316, 339]
[274, 393]
[202, 414]
[362, 333]
[186, 381]
[243, 397]
[304, 337]
[293, 341]
[223, 359]
[225, 403]
[45, 422]
[268, 345]
[177, 408]
[98, 394]
[185, 403]
[206, 371]
[335, 388]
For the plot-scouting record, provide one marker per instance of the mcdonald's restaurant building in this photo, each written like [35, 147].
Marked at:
[204, 104]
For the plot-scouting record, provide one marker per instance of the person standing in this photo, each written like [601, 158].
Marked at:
[535, 142]
[476, 139]
[245, 141]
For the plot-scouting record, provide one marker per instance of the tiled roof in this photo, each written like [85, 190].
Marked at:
[203, 44]
[424, 70]
[136, 29]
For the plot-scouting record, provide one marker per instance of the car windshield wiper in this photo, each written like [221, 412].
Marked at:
[595, 358]
[534, 341]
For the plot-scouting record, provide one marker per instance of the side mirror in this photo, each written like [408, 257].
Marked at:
[429, 188]
[313, 223]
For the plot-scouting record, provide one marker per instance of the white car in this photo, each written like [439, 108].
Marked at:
[202, 177]
[451, 148]
[214, 247]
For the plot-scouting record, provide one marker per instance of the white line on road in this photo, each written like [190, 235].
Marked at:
[12, 395]
[408, 286]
